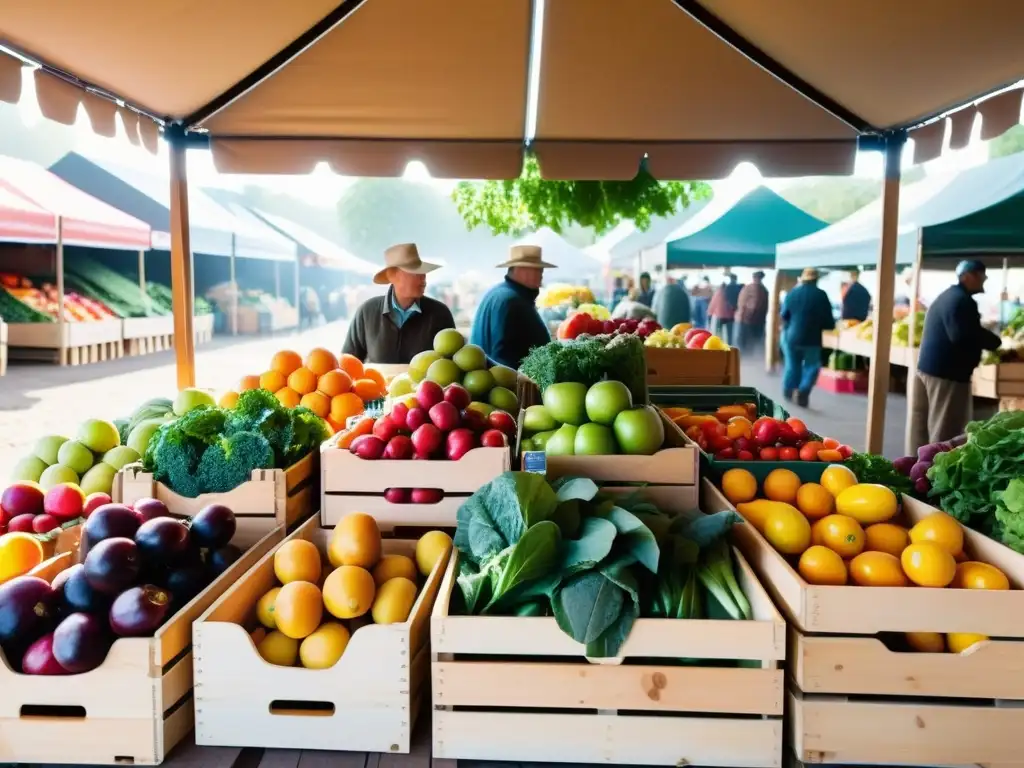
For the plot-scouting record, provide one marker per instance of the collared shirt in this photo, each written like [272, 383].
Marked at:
[401, 316]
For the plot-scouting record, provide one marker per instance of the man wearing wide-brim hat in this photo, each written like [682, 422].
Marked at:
[507, 325]
[391, 329]
[806, 313]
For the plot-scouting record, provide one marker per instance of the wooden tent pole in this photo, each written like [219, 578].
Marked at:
[182, 303]
[142, 277]
[915, 293]
[233, 282]
[59, 269]
[878, 387]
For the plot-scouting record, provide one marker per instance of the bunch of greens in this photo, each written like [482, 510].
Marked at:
[589, 360]
[870, 468]
[213, 450]
[972, 482]
[595, 563]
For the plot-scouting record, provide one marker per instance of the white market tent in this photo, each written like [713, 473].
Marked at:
[572, 263]
[275, 87]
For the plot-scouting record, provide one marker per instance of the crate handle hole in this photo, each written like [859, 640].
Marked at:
[398, 495]
[298, 708]
[52, 710]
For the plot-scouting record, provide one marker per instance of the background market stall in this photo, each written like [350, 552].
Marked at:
[642, 249]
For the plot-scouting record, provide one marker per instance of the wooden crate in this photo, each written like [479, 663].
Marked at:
[146, 335]
[272, 498]
[671, 367]
[999, 381]
[368, 701]
[350, 484]
[202, 328]
[512, 688]
[72, 343]
[131, 709]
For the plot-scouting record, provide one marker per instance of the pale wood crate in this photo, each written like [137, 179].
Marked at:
[147, 335]
[132, 709]
[368, 701]
[350, 484]
[998, 381]
[202, 328]
[73, 343]
[493, 677]
[692, 367]
[272, 498]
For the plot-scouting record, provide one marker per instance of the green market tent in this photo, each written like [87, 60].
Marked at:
[978, 212]
[738, 231]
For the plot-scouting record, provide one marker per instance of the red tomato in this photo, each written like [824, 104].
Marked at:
[846, 451]
[798, 426]
[745, 456]
[702, 443]
[789, 453]
[769, 454]
[720, 443]
[830, 443]
[711, 428]
[787, 436]
[726, 454]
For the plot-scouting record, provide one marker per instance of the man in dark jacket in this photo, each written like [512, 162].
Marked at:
[507, 325]
[672, 303]
[751, 312]
[646, 293]
[393, 328]
[856, 303]
[951, 347]
[806, 313]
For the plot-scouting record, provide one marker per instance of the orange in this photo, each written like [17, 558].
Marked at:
[837, 478]
[926, 642]
[303, 381]
[320, 361]
[374, 375]
[820, 565]
[335, 382]
[288, 397]
[228, 399]
[19, 554]
[317, 403]
[286, 361]
[886, 537]
[336, 426]
[351, 365]
[877, 569]
[843, 535]
[248, 382]
[355, 541]
[814, 501]
[927, 564]
[298, 609]
[345, 405]
[830, 443]
[975, 575]
[739, 486]
[349, 592]
[787, 530]
[738, 426]
[939, 528]
[273, 381]
[368, 390]
[781, 485]
[297, 560]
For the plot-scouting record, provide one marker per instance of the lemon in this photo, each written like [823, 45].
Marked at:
[431, 547]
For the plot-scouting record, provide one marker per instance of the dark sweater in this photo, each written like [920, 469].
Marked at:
[807, 312]
[953, 338]
[507, 325]
[374, 337]
[856, 303]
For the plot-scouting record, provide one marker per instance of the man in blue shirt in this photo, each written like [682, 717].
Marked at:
[806, 313]
[856, 303]
[507, 325]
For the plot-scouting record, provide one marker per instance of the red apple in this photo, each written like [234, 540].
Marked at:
[691, 333]
[711, 428]
[44, 523]
[399, 412]
[94, 501]
[397, 495]
[429, 394]
[503, 421]
[457, 395]
[697, 340]
[726, 454]
[416, 418]
[399, 448]
[845, 451]
[21, 499]
[426, 441]
[65, 502]
[787, 436]
[719, 443]
[444, 416]
[369, 447]
[427, 495]
[385, 428]
[766, 433]
[21, 524]
[474, 420]
[493, 438]
[459, 442]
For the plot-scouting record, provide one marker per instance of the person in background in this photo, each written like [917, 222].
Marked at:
[392, 328]
[732, 290]
[951, 347]
[751, 312]
[619, 292]
[507, 325]
[631, 309]
[671, 304]
[806, 313]
[856, 304]
[646, 293]
[723, 313]
[701, 294]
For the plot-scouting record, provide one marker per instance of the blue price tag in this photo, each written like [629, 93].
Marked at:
[535, 462]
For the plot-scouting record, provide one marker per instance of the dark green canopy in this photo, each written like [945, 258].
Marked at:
[977, 213]
[742, 231]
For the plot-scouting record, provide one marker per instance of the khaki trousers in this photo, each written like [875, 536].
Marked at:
[942, 409]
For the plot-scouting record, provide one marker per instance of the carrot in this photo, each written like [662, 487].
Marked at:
[362, 427]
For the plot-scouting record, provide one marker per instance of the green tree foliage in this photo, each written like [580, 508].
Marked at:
[530, 202]
[1009, 143]
[831, 198]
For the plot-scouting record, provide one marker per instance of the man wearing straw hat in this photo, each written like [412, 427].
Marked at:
[507, 325]
[391, 329]
[806, 312]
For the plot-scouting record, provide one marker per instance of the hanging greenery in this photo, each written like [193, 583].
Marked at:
[530, 202]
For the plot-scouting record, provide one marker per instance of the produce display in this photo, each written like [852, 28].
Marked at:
[1011, 349]
[122, 295]
[303, 620]
[583, 323]
[41, 302]
[557, 301]
[599, 420]
[137, 567]
[213, 449]
[597, 564]
[453, 362]
[588, 360]
[334, 388]
[435, 423]
[685, 336]
[26, 508]
[160, 295]
[840, 531]
[14, 311]
[901, 330]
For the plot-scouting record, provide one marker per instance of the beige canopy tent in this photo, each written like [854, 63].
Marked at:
[275, 86]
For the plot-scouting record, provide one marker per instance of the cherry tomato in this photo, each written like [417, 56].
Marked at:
[769, 454]
[789, 453]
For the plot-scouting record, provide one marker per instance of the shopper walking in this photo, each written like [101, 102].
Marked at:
[391, 329]
[671, 304]
[951, 347]
[507, 325]
[701, 294]
[806, 313]
[722, 313]
[751, 312]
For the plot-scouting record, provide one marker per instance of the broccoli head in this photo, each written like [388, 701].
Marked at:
[173, 458]
[205, 424]
[230, 461]
[259, 411]
[307, 432]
